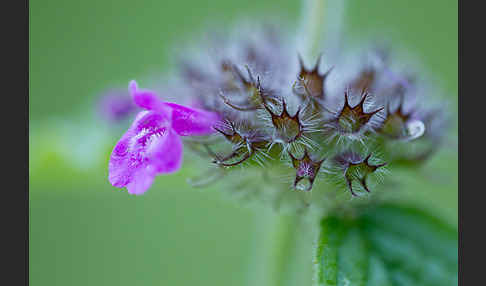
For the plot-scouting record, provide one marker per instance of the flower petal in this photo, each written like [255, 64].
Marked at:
[142, 179]
[166, 153]
[188, 121]
[118, 168]
[133, 151]
[146, 99]
[116, 105]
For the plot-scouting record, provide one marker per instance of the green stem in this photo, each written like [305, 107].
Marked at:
[321, 27]
[313, 26]
[273, 251]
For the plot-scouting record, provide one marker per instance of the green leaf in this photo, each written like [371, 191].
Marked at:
[386, 245]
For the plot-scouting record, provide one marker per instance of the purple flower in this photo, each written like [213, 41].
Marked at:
[152, 145]
[116, 105]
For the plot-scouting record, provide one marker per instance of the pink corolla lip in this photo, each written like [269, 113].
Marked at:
[152, 145]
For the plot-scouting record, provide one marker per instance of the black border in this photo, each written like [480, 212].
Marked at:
[15, 134]
[472, 114]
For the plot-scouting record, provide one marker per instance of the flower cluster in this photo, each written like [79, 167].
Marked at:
[256, 103]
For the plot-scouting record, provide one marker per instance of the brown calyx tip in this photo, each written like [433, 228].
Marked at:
[257, 96]
[311, 79]
[289, 127]
[399, 111]
[352, 118]
[365, 79]
[244, 146]
[395, 123]
[233, 135]
[306, 168]
[357, 170]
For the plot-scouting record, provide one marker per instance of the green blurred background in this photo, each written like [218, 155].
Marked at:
[83, 231]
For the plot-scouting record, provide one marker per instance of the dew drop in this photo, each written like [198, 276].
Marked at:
[415, 129]
[303, 185]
